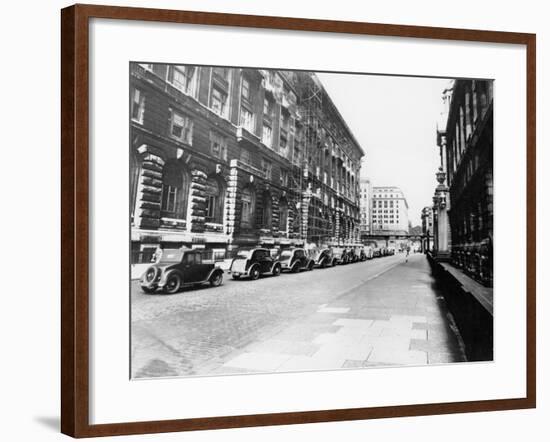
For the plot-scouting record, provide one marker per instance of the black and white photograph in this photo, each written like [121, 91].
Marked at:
[284, 220]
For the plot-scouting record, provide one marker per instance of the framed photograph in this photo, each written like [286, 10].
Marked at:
[272, 221]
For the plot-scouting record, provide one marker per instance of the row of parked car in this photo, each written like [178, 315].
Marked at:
[179, 268]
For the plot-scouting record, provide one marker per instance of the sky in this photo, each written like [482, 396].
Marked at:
[394, 119]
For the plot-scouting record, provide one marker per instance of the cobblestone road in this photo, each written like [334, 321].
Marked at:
[379, 312]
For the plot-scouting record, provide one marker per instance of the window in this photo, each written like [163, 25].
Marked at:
[183, 78]
[267, 167]
[193, 258]
[245, 156]
[175, 185]
[283, 145]
[218, 101]
[138, 103]
[248, 207]
[218, 146]
[181, 127]
[260, 254]
[268, 108]
[222, 73]
[214, 201]
[284, 178]
[247, 119]
[267, 135]
[284, 121]
[245, 89]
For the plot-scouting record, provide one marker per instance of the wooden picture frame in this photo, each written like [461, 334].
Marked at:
[75, 247]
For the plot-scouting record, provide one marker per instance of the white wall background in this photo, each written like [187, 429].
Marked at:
[29, 218]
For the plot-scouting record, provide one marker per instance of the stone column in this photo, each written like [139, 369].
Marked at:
[232, 209]
[197, 201]
[149, 192]
[275, 215]
[441, 230]
[337, 225]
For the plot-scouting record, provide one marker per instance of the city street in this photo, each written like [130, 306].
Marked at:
[380, 312]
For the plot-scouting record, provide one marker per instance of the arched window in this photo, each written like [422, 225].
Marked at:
[175, 191]
[215, 195]
[267, 211]
[248, 201]
[283, 215]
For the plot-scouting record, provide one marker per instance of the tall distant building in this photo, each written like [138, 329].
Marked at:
[389, 211]
[365, 190]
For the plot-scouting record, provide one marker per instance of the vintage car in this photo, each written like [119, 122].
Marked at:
[366, 252]
[252, 263]
[178, 268]
[323, 257]
[376, 251]
[341, 255]
[294, 260]
[354, 254]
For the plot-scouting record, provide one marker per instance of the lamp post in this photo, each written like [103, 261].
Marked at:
[435, 208]
[441, 231]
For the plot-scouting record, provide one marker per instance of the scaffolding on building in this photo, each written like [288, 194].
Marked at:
[319, 144]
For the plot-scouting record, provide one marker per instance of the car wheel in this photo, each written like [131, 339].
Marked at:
[254, 273]
[173, 283]
[147, 290]
[216, 279]
[295, 268]
[236, 276]
[276, 270]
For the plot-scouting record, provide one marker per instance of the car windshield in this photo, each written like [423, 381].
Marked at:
[243, 253]
[285, 254]
[171, 255]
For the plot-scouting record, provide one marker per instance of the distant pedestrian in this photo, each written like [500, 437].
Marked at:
[407, 256]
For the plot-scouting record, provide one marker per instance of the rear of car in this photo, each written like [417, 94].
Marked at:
[240, 263]
[285, 258]
[340, 255]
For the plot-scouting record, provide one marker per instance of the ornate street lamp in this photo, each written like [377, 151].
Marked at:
[440, 176]
[440, 196]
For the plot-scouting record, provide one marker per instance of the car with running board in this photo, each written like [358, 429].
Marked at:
[179, 268]
[253, 263]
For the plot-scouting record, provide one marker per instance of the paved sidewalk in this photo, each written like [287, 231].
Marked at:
[394, 318]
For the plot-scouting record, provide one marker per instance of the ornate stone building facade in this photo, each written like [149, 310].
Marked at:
[226, 157]
[465, 190]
